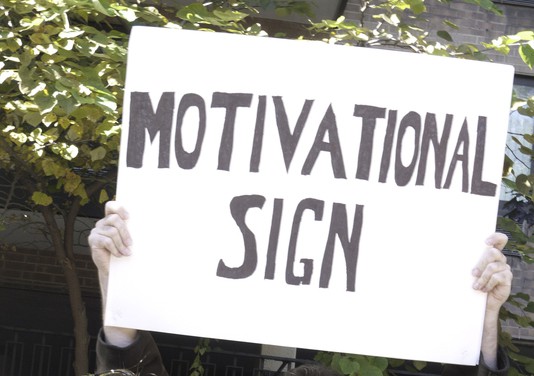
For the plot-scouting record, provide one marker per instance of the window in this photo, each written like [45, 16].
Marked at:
[517, 126]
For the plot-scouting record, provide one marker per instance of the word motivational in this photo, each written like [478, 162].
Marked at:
[144, 118]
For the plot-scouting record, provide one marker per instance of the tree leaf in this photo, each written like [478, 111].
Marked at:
[127, 13]
[104, 197]
[63, 122]
[526, 51]
[51, 168]
[103, 7]
[98, 154]
[380, 362]
[75, 132]
[33, 118]
[49, 118]
[72, 181]
[445, 35]
[45, 102]
[419, 365]
[417, 6]
[41, 198]
[451, 24]
[370, 370]
[70, 33]
[18, 138]
[348, 366]
[526, 35]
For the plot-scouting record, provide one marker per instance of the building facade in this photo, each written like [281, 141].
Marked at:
[34, 319]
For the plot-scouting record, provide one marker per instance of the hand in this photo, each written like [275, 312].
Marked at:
[110, 236]
[493, 276]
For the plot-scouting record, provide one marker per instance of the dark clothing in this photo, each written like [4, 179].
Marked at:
[143, 358]
[503, 363]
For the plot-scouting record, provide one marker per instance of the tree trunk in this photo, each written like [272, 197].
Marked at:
[77, 305]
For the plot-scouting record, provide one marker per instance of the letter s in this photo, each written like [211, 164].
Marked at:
[239, 207]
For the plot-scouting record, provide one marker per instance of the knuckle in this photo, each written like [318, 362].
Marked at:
[111, 231]
[107, 243]
[493, 267]
[112, 218]
[495, 253]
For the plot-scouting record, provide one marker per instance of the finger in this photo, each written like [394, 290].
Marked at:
[499, 282]
[495, 274]
[111, 233]
[107, 239]
[497, 240]
[114, 207]
[490, 255]
[119, 223]
[111, 239]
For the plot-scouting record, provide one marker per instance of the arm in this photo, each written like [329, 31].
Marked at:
[110, 236]
[119, 347]
[493, 276]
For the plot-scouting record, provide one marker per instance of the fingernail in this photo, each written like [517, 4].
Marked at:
[476, 272]
[476, 286]
[126, 252]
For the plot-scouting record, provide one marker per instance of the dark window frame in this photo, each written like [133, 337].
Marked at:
[522, 79]
[524, 3]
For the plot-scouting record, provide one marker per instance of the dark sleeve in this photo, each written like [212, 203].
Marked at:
[503, 363]
[142, 357]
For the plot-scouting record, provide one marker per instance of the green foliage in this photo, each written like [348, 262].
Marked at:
[226, 18]
[281, 7]
[235, 16]
[519, 223]
[61, 84]
[62, 71]
[523, 40]
[355, 365]
[41, 198]
[400, 24]
[202, 347]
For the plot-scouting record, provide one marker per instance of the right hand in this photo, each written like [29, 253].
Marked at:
[110, 236]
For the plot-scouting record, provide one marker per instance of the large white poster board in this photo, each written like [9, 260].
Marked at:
[307, 195]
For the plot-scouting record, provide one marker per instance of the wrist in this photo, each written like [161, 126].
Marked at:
[490, 338]
[119, 337]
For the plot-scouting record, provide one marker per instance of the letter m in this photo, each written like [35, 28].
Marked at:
[143, 117]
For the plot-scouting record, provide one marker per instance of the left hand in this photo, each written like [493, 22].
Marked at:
[493, 275]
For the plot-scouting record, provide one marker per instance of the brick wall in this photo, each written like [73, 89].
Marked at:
[39, 270]
[523, 282]
[475, 25]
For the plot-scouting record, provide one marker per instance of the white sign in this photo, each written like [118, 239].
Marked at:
[307, 195]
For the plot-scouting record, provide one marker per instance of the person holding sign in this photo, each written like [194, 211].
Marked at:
[136, 350]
